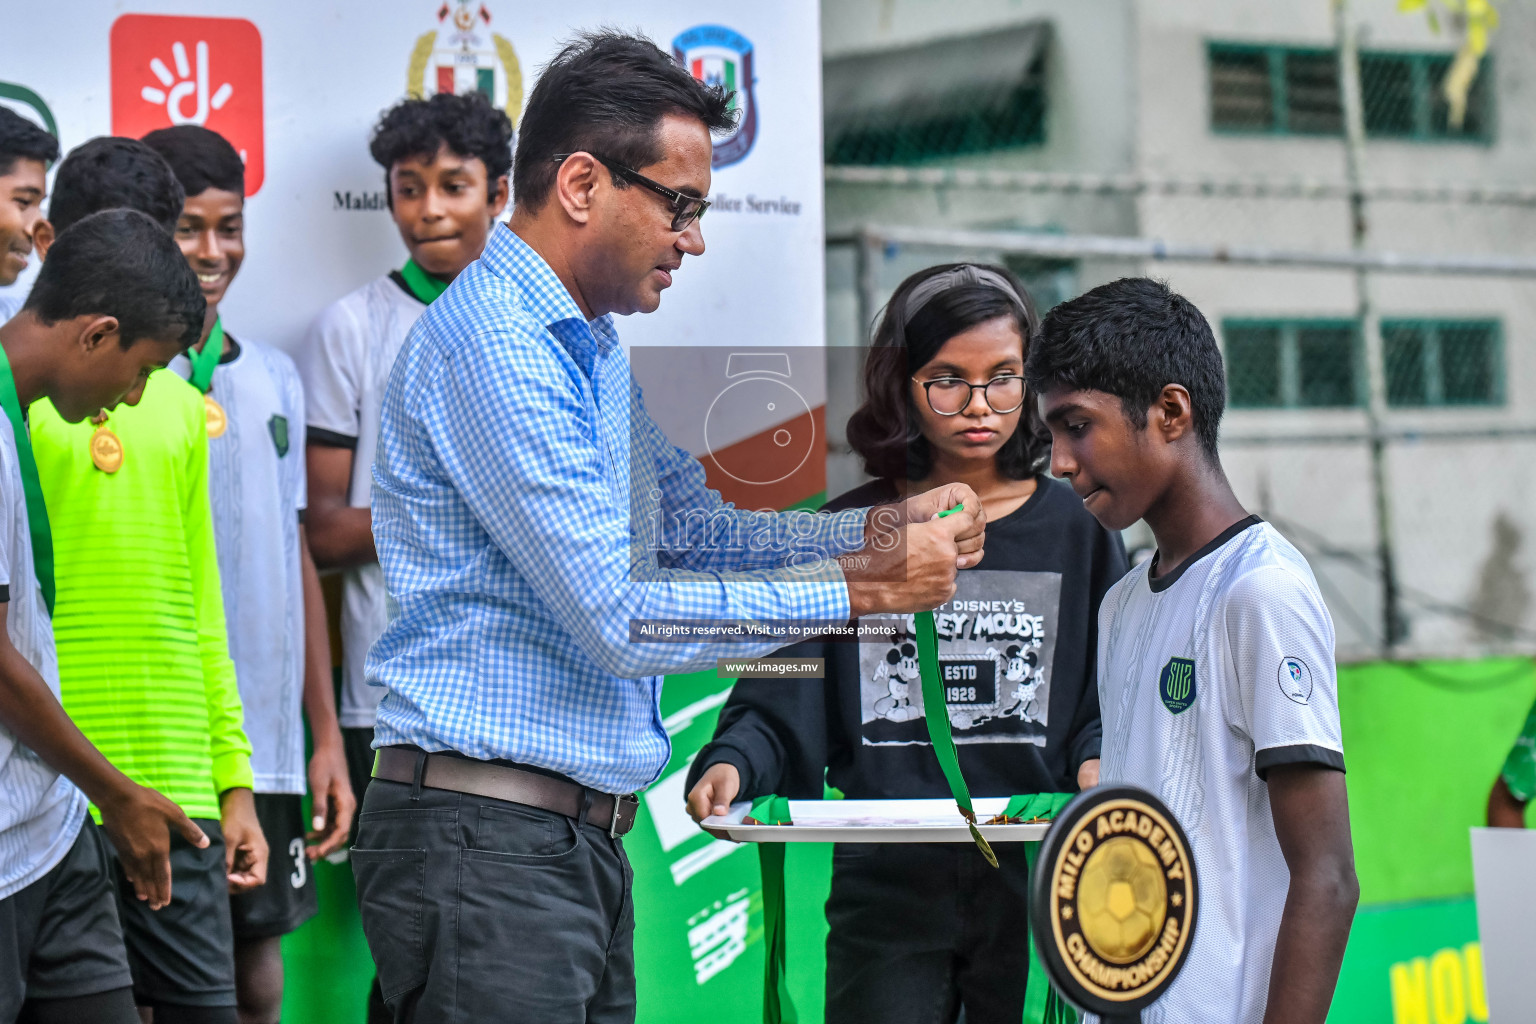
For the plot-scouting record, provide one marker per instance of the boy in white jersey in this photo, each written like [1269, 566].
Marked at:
[276, 616]
[1215, 661]
[114, 302]
[446, 161]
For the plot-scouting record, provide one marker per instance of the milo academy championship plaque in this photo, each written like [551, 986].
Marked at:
[1114, 901]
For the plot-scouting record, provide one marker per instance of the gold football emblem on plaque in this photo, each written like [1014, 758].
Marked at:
[106, 450]
[1114, 900]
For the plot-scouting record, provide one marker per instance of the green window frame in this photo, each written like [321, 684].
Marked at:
[992, 118]
[1314, 363]
[1440, 363]
[1290, 90]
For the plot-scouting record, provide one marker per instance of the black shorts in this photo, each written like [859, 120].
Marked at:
[288, 898]
[357, 743]
[184, 953]
[60, 937]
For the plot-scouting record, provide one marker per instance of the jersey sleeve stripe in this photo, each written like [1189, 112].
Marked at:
[1297, 753]
[329, 438]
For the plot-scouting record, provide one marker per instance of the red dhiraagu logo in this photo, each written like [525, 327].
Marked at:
[463, 55]
[169, 70]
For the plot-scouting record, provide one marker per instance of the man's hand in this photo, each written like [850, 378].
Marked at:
[920, 508]
[715, 791]
[245, 848]
[139, 821]
[909, 566]
[1088, 774]
[331, 800]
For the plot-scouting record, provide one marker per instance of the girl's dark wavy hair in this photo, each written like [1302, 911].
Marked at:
[884, 431]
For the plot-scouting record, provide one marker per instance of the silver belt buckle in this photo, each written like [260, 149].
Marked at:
[624, 810]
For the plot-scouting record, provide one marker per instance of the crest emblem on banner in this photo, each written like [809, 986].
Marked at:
[463, 55]
[717, 55]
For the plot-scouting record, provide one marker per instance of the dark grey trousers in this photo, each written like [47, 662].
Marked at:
[920, 933]
[481, 910]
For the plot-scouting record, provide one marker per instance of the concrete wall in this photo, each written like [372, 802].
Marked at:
[1447, 497]
[1128, 91]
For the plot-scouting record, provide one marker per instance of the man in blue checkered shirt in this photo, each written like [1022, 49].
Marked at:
[520, 507]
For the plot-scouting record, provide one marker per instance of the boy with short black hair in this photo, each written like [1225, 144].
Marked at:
[446, 161]
[112, 305]
[276, 616]
[144, 654]
[25, 153]
[1216, 673]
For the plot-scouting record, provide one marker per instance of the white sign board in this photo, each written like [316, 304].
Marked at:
[298, 86]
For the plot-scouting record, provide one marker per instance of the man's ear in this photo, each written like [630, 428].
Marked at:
[1174, 412]
[42, 238]
[97, 331]
[575, 182]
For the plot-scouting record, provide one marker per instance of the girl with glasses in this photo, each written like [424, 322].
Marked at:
[919, 931]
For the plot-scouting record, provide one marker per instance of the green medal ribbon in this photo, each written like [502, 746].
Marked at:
[422, 284]
[778, 1008]
[31, 487]
[206, 361]
[936, 715]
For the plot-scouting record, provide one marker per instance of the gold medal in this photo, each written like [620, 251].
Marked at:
[106, 450]
[217, 421]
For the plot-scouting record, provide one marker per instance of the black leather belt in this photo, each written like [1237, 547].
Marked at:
[615, 814]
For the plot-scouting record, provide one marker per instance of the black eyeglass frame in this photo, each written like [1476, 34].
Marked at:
[685, 208]
[927, 386]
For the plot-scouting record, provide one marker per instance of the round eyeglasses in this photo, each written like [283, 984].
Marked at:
[948, 396]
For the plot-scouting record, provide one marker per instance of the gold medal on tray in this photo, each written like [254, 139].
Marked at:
[217, 420]
[106, 450]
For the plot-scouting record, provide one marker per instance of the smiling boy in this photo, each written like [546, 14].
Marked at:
[25, 153]
[272, 601]
[1216, 675]
[446, 161]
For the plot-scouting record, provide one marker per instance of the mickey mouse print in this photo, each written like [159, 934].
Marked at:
[997, 638]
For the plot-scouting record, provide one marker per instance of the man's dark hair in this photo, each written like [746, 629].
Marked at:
[20, 139]
[201, 159]
[120, 263]
[605, 94]
[884, 430]
[110, 172]
[468, 125]
[1131, 338]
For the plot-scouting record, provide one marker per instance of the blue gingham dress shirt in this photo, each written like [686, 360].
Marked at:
[520, 502]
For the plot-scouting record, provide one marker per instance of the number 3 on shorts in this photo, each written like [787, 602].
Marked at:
[300, 863]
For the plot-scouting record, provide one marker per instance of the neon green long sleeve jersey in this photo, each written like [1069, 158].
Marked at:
[139, 616]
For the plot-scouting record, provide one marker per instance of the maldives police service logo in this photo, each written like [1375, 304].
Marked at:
[717, 55]
[463, 55]
[1113, 902]
[1176, 684]
[1295, 680]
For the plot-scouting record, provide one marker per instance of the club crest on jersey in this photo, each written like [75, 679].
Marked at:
[1176, 684]
[1295, 680]
[278, 426]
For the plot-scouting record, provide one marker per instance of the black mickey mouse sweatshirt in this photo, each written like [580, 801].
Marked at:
[1016, 658]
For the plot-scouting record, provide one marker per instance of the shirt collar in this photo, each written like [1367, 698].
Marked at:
[541, 291]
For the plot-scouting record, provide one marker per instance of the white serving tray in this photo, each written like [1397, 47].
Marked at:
[873, 821]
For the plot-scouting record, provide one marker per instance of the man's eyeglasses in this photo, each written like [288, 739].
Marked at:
[948, 396]
[685, 208]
